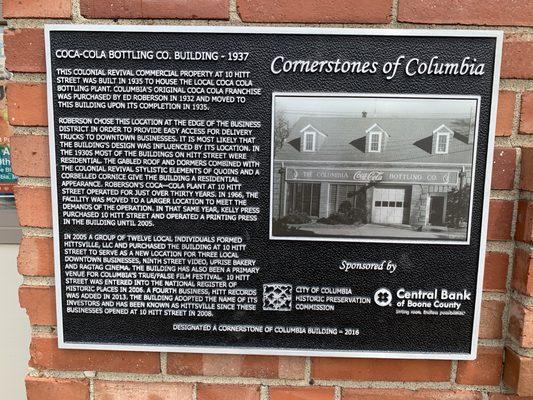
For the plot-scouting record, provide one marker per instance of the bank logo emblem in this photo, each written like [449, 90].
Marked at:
[277, 297]
[383, 297]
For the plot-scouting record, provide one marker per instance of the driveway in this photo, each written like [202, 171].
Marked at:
[378, 231]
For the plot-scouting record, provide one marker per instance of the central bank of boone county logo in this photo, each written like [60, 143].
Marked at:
[383, 297]
[277, 297]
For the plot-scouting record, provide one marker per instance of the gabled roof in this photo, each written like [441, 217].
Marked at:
[443, 128]
[375, 128]
[309, 126]
[410, 140]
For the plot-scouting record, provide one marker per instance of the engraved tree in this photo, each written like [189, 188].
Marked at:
[458, 207]
[281, 131]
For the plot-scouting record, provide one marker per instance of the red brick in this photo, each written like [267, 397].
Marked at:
[504, 119]
[178, 9]
[522, 280]
[495, 276]
[486, 369]
[467, 12]
[500, 220]
[26, 104]
[46, 355]
[227, 392]
[315, 11]
[406, 394]
[30, 155]
[185, 364]
[36, 256]
[365, 369]
[516, 57]
[301, 393]
[55, 389]
[503, 168]
[236, 365]
[34, 206]
[113, 390]
[518, 373]
[526, 112]
[521, 323]
[490, 324]
[501, 396]
[526, 171]
[24, 50]
[40, 304]
[37, 8]
[524, 221]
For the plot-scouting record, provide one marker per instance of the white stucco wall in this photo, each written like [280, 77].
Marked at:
[15, 330]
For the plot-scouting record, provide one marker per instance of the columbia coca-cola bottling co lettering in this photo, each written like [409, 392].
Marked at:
[359, 175]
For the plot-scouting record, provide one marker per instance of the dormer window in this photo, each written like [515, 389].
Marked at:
[375, 142]
[376, 139]
[309, 141]
[441, 140]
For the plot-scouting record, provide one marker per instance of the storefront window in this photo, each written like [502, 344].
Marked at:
[304, 198]
[343, 197]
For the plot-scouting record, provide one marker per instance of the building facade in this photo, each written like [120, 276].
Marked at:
[397, 171]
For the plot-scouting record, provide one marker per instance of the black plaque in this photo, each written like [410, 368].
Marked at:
[271, 190]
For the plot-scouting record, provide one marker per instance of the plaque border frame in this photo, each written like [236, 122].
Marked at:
[495, 34]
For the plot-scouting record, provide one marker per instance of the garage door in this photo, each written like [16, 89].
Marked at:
[388, 206]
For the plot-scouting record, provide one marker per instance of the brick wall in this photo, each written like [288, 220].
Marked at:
[504, 367]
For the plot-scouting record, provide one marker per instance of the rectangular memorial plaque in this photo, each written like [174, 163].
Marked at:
[271, 190]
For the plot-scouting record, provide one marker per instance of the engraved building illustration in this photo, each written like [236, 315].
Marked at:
[337, 174]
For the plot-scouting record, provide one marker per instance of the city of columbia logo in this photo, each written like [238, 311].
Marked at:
[383, 297]
[277, 297]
